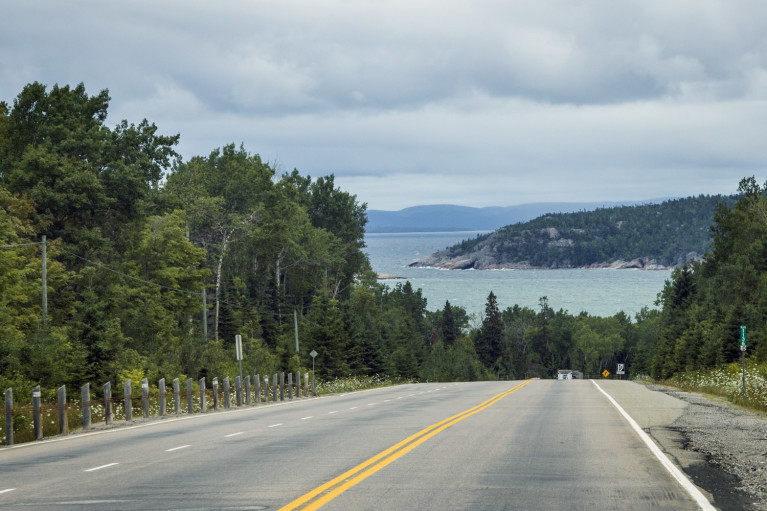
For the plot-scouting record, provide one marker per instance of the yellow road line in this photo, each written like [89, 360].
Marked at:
[340, 484]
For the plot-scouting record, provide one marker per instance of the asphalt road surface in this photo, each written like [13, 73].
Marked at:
[487, 445]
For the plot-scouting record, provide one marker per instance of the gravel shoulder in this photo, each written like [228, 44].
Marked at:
[723, 449]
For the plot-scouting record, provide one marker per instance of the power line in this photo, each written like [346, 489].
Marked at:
[117, 272]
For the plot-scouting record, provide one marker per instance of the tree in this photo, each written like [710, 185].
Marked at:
[339, 213]
[89, 183]
[488, 339]
[326, 336]
[224, 195]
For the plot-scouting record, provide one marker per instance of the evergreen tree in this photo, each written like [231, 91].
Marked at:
[489, 337]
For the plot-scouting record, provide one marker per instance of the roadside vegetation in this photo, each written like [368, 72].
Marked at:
[727, 382]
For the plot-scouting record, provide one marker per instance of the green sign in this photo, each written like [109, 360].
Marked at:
[742, 337]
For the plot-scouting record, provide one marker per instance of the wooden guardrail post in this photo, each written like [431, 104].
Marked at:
[290, 386]
[36, 413]
[145, 398]
[215, 393]
[306, 384]
[298, 384]
[176, 396]
[227, 397]
[274, 387]
[238, 390]
[127, 399]
[161, 390]
[189, 403]
[9, 416]
[257, 389]
[203, 408]
[85, 402]
[61, 395]
[107, 402]
[247, 390]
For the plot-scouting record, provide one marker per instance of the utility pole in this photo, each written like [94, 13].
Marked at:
[204, 316]
[295, 327]
[45, 282]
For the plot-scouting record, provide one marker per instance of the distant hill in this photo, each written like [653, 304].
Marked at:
[650, 236]
[445, 217]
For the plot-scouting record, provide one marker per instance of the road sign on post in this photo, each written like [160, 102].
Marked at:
[743, 356]
[314, 388]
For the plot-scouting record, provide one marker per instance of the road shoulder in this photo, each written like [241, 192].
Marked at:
[693, 432]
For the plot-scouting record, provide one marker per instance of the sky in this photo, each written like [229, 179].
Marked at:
[475, 103]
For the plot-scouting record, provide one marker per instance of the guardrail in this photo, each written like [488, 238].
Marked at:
[52, 416]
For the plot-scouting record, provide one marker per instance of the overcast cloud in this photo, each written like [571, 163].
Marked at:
[474, 103]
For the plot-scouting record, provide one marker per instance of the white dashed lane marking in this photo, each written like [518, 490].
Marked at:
[100, 467]
[177, 448]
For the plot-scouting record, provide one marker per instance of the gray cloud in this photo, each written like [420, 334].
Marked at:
[478, 103]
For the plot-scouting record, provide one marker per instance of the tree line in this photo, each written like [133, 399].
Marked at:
[154, 264]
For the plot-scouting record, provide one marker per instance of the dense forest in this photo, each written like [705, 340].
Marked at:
[153, 264]
[670, 234]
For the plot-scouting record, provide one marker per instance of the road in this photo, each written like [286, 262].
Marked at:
[486, 445]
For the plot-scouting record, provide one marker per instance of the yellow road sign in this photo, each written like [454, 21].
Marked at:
[605, 373]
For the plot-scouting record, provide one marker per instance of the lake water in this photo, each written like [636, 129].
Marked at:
[600, 292]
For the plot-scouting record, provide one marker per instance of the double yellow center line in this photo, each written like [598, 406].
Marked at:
[323, 494]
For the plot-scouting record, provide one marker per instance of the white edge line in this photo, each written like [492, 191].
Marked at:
[233, 434]
[177, 448]
[102, 466]
[6, 491]
[677, 474]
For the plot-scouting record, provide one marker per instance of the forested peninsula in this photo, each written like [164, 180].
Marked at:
[119, 260]
[650, 236]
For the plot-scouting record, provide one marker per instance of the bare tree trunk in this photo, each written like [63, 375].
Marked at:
[218, 280]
